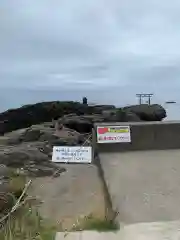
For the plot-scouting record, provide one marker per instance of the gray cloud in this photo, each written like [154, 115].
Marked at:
[82, 44]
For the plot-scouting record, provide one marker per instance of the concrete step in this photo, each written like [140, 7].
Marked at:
[87, 235]
[140, 231]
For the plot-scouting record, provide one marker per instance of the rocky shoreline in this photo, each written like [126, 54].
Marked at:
[75, 115]
[28, 134]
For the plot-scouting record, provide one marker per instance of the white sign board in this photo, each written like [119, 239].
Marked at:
[64, 154]
[113, 134]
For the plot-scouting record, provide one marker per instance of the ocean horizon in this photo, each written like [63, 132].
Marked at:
[14, 98]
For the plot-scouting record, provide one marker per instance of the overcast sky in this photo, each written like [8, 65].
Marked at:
[108, 50]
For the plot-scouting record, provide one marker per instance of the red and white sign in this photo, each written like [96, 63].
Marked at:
[113, 134]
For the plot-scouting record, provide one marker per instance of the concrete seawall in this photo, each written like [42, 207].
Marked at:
[143, 185]
[145, 136]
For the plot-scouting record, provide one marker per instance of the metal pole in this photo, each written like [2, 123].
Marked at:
[140, 99]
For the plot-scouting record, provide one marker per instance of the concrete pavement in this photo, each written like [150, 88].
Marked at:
[145, 189]
[141, 231]
[144, 185]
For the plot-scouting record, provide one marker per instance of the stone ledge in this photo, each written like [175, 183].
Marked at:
[142, 231]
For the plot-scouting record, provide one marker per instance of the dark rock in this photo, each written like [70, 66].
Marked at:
[4, 170]
[94, 118]
[81, 124]
[110, 115]
[67, 136]
[13, 138]
[19, 156]
[28, 115]
[147, 112]
[100, 108]
[44, 171]
[31, 135]
[120, 115]
[29, 158]
[47, 136]
[34, 151]
[44, 127]
[64, 142]
[131, 117]
[40, 135]
[4, 140]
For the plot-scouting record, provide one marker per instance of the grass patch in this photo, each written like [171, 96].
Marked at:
[93, 223]
[25, 223]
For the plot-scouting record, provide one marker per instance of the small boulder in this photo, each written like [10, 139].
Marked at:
[4, 171]
[81, 124]
[31, 135]
[77, 123]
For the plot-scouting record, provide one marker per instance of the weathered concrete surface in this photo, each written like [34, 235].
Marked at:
[144, 186]
[88, 235]
[145, 136]
[151, 231]
[141, 231]
[75, 194]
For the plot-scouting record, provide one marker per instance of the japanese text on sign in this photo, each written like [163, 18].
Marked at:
[72, 154]
[113, 134]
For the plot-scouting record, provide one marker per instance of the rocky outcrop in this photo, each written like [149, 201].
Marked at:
[30, 149]
[120, 115]
[147, 112]
[29, 158]
[28, 115]
[28, 135]
[81, 124]
[74, 115]
[135, 113]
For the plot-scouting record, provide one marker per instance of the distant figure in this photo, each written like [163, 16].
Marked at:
[85, 101]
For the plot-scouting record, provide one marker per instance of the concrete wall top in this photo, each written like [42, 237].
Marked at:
[144, 136]
[135, 123]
